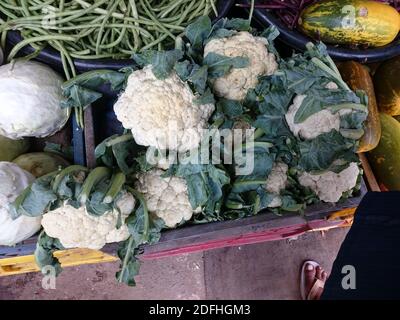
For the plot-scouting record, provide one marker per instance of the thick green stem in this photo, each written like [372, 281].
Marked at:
[146, 223]
[117, 182]
[97, 175]
[66, 172]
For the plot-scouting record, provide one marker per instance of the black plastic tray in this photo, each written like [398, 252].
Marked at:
[298, 41]
[52, 57]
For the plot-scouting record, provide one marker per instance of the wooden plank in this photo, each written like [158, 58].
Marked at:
[68, 258]
[89, 138]
[272, 234]
[369, 174]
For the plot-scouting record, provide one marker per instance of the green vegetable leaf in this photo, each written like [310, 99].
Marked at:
[206, 98]
[353, 120]
[225, 28]
[143, 229]
[117, 151]
[198, 77]
[83, 89]
[130, 264]
[156, 225]
[96, 206]
[289, 204]
[219, 65]
[271, 100]
[138, 225]
[318, 99]
[183, 69]
[36, 199]
[45, 248]
[237, 24]
[230, 108]
[271, 33]
[162, 62]
[205, 183]
[198, 32]
[65, 152]
[319, 154]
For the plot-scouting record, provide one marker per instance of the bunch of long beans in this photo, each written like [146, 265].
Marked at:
[98, 29]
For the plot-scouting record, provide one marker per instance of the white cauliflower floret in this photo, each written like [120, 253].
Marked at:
[238, 81]
[13, 180]
[330, 186]
[276, 182]
[76, 228]
[167, 198]
[160, 159]
[30, 100]
[162, 113]
[321, 122]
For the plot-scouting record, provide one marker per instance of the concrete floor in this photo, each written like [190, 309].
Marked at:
[260, 271]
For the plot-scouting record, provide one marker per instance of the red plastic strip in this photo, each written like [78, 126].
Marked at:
[250, 238]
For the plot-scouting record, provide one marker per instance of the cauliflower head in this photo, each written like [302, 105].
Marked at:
[13, 180]
[276, 182]
[30, 101]
[167, 198]
[321, 122]
[76, 228]
[330, 186]
[162, 113]
[235, 84]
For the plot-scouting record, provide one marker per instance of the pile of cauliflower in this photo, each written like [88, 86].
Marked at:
[167, 114]
[164, 114]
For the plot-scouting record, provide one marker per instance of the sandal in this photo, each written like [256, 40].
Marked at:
[316, 287]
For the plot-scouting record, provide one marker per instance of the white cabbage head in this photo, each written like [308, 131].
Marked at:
[30, 100]
[13, 180]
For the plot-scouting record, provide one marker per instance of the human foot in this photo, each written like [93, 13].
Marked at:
[312, 281]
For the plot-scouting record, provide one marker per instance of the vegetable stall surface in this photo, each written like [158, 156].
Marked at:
[295, 162]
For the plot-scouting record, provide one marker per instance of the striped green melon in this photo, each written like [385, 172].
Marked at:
[351, 22]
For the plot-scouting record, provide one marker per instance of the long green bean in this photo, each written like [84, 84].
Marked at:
[98, 29]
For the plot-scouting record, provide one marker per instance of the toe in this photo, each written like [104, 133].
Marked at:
[318, 272]
[309, 273]
[324, 276]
